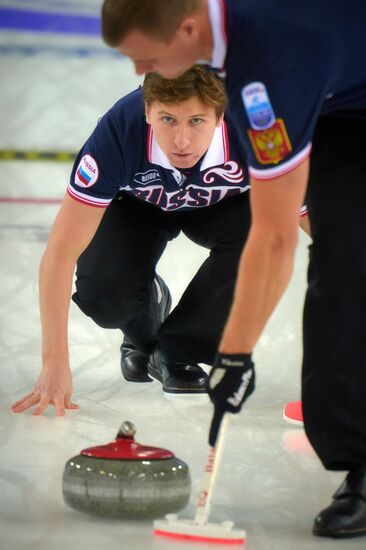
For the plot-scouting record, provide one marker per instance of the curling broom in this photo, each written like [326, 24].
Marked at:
[198, 529]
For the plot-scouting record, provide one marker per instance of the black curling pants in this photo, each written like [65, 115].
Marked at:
[115, 274]
[334, 367]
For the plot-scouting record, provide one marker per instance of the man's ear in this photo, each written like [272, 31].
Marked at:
[189, 29]
[147, 113]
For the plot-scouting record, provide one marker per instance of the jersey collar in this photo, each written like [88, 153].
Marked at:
[217, 16]
[217, 153]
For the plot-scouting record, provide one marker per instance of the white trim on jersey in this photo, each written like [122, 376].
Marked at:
[216, 12]
[87, 199]
[303, 211]
[284, 168]
[218, 152]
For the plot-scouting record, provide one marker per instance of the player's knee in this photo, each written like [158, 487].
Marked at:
[111, 306]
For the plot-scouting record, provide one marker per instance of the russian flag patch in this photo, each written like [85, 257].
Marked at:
[87, 172]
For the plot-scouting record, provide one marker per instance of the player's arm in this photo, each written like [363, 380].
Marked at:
[267, 261]
[72, 231]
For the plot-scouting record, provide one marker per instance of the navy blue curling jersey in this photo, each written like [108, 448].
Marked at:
[287, 62]
[122, 154]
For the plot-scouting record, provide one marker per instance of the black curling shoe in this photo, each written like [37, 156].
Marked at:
[177, 376]
[346, 516]
[134, 363]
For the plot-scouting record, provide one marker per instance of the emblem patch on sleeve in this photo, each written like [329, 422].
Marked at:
[258, 106]
[87, 172]
[271, 145]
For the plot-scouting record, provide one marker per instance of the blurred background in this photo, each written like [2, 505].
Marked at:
[57, 79]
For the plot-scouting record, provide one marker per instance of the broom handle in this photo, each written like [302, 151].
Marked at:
[209, 477]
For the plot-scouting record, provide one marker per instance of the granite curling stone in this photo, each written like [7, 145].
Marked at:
[124, 479]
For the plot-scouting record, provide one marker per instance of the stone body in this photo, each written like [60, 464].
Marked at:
[126, 489]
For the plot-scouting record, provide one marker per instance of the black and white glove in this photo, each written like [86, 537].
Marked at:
[230, 383]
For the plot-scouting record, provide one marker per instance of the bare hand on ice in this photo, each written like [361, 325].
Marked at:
[53, 387]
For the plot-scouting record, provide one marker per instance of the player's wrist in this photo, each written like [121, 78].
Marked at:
[55, 359]
[228, 360]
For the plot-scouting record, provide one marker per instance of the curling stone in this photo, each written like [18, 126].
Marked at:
[124, 479]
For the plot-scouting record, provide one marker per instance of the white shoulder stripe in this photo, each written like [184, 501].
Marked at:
[304, 211]
[271, 173]
[87, 199]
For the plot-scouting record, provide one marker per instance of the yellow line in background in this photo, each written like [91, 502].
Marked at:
[51, 156]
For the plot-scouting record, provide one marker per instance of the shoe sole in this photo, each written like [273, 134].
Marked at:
[188, 391]
[148, 380]
[341, 534]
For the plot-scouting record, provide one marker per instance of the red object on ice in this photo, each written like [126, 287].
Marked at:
[293, 413]
[126, 448]
[199, 538]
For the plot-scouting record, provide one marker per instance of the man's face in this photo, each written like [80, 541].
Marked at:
[169, 59]
[184, 131]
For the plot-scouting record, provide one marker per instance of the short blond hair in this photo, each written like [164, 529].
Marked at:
[199, 81]
[155, 18]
